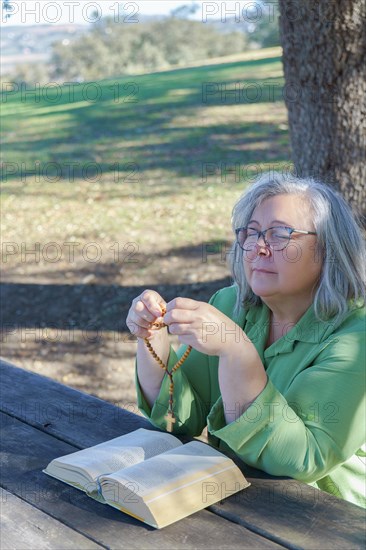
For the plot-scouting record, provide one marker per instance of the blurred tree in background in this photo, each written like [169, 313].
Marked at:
[26, 73]
[265, 31]
[111, 49]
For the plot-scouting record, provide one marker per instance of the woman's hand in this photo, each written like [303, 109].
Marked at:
[202, 326]
[145, 310]
[242, 376]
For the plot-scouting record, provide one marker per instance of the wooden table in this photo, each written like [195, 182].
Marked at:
[42, 419]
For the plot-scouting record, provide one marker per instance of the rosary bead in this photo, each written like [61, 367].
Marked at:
[170, 419]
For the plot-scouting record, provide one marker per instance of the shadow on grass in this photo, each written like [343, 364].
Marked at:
[162, 130]
[204, 153]
[103, 306]
[84, 307]
[124, 89]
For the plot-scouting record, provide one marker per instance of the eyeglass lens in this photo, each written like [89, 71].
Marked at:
[276, 237]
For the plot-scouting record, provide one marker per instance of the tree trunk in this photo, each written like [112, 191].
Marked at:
[324, 59]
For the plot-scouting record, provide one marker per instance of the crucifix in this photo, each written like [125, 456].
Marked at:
[170, 419]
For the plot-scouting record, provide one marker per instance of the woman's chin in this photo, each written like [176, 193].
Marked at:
[262, 290]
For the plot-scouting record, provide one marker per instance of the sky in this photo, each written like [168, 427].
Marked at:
[29, 12]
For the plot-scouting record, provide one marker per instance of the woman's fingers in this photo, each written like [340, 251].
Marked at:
[183, 315]
[141, 320]
[195, 323]
[144, 311]
[182, 303]
[153, 302]
[137, 330]
[175, 316]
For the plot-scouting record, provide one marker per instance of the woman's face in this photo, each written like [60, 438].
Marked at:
[289, 274]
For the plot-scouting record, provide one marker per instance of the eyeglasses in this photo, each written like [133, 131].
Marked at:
[276, 238]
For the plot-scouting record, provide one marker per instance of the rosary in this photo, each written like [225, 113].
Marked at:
[170, 418]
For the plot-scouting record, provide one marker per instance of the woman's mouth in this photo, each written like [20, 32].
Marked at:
[262, 270]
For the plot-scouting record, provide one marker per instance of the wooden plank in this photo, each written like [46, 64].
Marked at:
[27, 450]
[76, 417]
[296, 515]
[23, 526]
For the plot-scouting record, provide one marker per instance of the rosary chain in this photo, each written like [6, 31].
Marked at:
[170, 418]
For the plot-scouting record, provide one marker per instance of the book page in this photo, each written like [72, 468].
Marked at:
[173, 485]
[167, 468]
[118, 453]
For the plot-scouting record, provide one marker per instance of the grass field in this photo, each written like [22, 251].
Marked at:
[130, 182]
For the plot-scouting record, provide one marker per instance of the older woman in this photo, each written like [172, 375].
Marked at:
[277, 365]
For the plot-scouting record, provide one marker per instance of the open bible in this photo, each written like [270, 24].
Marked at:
[151, 475]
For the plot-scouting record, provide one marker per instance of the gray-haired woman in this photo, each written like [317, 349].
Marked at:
[277, 365]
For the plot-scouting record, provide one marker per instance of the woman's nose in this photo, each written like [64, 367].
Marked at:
[261, 239]
[262, 247]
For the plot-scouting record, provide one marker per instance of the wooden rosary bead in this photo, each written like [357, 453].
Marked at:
[170, 418]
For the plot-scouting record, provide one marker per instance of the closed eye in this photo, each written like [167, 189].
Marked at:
[251, 231]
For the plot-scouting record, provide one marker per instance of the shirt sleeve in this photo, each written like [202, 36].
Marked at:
[191, 398]
[314, 426]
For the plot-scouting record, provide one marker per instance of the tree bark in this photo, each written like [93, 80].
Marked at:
[324, 59]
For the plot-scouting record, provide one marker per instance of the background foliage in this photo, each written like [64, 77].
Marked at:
[110, 48]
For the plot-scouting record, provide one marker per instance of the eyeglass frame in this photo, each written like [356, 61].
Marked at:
[263, 234]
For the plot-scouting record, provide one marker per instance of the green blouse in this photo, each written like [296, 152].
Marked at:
[307, 423]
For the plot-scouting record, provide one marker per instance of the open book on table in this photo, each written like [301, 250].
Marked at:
[151, 475]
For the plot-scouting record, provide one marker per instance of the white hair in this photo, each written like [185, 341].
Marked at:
[340, 244]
